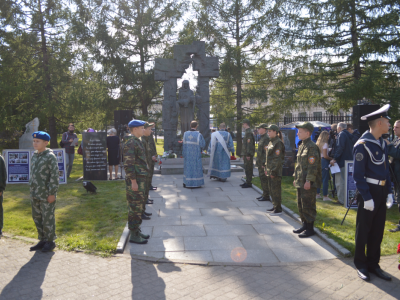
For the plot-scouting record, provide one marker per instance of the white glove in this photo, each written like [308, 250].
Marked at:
[369, 205]
[389, 201]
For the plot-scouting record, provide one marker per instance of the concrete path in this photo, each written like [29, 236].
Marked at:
[221, 223]
[65, 275]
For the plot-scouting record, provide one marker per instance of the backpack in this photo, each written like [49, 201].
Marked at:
[61, 142]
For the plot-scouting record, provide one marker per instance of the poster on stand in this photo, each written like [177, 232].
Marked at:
[60, 154]
[17, 165]
[349, 185]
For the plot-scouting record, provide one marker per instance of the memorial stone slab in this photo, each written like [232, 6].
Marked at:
[26, 140]
[94, 146]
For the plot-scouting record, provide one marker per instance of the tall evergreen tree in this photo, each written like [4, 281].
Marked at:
[345, 51]
[241, 31]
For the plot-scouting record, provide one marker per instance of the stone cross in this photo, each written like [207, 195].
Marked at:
[169, 70]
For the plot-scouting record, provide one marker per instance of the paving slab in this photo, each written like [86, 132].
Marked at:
[210, 223]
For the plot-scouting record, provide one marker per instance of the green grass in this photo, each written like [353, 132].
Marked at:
[92, 223]
[330, 214]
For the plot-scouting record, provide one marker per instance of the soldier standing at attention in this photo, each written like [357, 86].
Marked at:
[260, 161]
[149, 160]
[248, 150]
[3, 180]
[153, 151]
[43, 185]
[274, 161]
[307, 178]
[372, 177]
[136, 172]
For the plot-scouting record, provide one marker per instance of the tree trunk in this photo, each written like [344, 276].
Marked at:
[354, 41]
[238, 86]
[47, 81]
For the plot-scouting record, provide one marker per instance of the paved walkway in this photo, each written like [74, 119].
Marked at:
[221, 223]
[65, 275]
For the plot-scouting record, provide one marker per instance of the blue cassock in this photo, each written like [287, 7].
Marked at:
[221, 164]
[370, 161]
[193, 143]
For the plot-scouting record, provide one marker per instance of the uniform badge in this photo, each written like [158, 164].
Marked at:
[34, 135]
[377, 152]
[311, 160]
[359, 157]
[277, 152]
[248, 140]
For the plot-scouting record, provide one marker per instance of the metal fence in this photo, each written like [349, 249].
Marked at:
[326, 118]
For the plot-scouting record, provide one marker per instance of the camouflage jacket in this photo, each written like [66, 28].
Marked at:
[44, 175]
[308, 165]
[248, 145]
[151, 143]
[261, 151]
[275, 157]
[147, 151]
[3, 174]
[135, 163]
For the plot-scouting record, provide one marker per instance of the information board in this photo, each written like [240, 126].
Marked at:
[94, 146]
[18, 163]
[349, 185]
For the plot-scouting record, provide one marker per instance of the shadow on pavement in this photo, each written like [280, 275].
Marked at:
[29, 279]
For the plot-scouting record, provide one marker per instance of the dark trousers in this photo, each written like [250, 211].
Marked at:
[248, 168]
[369, 229]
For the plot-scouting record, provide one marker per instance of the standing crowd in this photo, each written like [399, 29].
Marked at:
[373, 173]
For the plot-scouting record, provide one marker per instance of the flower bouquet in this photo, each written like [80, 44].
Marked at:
[398, 251]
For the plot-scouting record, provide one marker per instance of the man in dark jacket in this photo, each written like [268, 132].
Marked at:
[343, 152]
[355, 134]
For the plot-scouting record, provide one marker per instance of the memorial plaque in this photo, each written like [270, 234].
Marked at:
[94, 146]
[289, 140]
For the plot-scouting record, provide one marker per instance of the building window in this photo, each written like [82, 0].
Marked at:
[303, 116]
[317, 116]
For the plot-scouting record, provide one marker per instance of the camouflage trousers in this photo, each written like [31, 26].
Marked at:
[264, 182]
[151, 172]
[248, 168]
[275, 190]
[44, 218]
[147, 187]
[135, 202]
[1, 212]
[307, 204]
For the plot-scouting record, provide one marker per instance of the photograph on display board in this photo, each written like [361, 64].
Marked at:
[18, 166]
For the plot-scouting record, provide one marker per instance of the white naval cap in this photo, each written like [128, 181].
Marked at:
[380, 113]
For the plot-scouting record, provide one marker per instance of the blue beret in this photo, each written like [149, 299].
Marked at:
[136, 123]
[41, 135]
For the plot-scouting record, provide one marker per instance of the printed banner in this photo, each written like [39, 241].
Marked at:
[349, 185]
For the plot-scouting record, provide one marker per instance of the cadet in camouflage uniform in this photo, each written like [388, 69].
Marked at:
[149, 160]
[274, 163]
[153, 150]
[136, 172]
[43, 184]
[248, 150]
[3, 180]
[307, 178]
[260, 161]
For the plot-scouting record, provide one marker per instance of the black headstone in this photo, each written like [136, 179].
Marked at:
[94, 145]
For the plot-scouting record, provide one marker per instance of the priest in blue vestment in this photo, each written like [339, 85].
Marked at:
[220, 161]
[193, 143]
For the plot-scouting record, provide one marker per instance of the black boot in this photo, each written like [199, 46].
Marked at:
[147, 214]
[152, 188]
[258, 198]
[38, 246]
[301, 229]
[150, 201]
[309, 231]
[49, 246]
[144, 217]
[247, 185]
[263, 199]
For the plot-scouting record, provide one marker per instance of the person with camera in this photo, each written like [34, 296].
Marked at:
[343, 152]
[394, 153]
[67, 139]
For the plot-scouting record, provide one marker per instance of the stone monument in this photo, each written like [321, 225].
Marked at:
[168, 71]
[26, 140]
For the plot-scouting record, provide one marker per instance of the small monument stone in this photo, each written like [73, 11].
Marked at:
[26, 140]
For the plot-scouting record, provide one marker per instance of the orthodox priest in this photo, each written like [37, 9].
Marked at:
[193, 143]
[220, 145]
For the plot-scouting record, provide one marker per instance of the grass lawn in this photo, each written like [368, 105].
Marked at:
[92, 223]
[330, 215]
